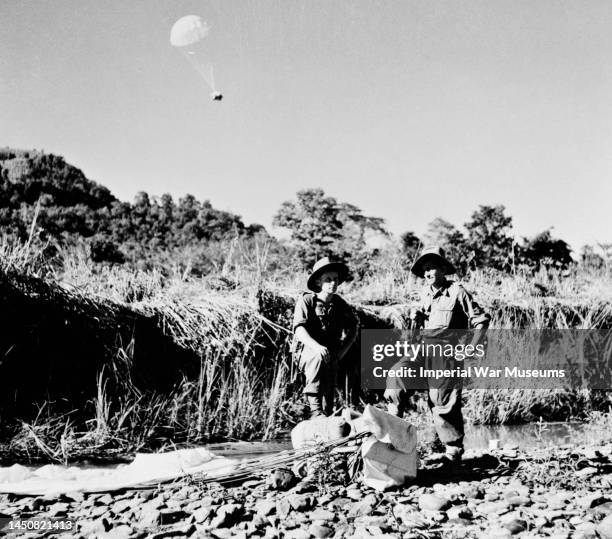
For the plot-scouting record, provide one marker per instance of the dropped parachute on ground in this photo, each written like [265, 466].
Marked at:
[188, 36]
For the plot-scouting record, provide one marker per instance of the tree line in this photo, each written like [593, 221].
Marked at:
[66, 207]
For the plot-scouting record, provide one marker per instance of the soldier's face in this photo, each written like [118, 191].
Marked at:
[433, 274]
[329, 281]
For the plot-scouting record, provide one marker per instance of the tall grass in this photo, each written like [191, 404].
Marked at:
[236, 325]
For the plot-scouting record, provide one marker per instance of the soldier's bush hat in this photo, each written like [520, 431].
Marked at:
[436, 255]
[323, 265]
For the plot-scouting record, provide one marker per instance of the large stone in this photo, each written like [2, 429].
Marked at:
[459, 511]
[300, 502]
[493, 508]
[227, 515]
[585, 530]
[265, 507]
[58, 510]
[203, 514]
[591, 500]
[322, 514]
[184, 530]
[98, 511]
[601, 510]
[516, 525]
[354, 493]
[412, 519]
[320, 531]
[150, 518]
[518, 500]
[281, 479]
[121, 506]
[122, 531]
[170, 516]
[605, 528]
[222, 533]
[475, 492]
[77, 497]
[93, 527]
[297, 533]
[433, 502]
[283, 508]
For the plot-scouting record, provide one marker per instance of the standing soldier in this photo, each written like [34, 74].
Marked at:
[324, 330]
[445, 305]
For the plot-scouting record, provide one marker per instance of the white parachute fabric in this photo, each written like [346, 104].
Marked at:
[145, 470]
[389, 456]
[189, 36]
[188, 30]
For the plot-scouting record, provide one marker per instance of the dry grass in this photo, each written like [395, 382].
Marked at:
[236, 326]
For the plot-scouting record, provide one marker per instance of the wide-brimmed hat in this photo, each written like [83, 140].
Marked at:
[436, 255]
[323, 265]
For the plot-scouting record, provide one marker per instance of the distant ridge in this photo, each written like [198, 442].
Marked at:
[66, 206]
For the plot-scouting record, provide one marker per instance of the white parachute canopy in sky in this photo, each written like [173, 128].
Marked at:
[188, 36]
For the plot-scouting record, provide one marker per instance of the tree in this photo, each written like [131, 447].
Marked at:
[590, 259]
[322, 226]
[410, 245]
[489, 237]
[444, 234]
[544, 250]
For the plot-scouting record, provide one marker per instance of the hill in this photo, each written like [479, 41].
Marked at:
[68, 207]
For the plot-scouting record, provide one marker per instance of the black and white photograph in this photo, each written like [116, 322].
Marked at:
[298, 269]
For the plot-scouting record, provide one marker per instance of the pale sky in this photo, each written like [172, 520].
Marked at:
[408, 109]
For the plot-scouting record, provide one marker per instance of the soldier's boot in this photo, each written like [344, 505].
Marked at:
[315, 405]
[328, 403]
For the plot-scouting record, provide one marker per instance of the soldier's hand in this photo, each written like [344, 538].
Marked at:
[416, 314]
[324, 351]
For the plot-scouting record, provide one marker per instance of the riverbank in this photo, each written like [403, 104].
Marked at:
[180, 360]
[557, 492]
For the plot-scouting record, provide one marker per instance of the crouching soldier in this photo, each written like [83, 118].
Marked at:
[445, 306]
[325, 328]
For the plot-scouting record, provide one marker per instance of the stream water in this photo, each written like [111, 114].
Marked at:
[524, 436]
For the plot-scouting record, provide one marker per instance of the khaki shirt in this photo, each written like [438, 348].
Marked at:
[451, 307]
[325, 322]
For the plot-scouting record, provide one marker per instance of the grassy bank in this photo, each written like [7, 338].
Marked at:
[104, 360]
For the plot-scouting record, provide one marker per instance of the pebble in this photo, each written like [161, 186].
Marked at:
[121, 506]
[322, 514]
[320, 531]
[495, 506]
[432, 502]
[296, 534]
[118, 532]
[354, 494]
[459, 511]
[515, 526]
[300, 502]
[518, 500]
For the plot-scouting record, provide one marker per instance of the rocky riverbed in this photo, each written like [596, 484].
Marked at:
[563, 492]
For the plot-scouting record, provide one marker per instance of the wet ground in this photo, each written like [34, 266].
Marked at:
[525, 436]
